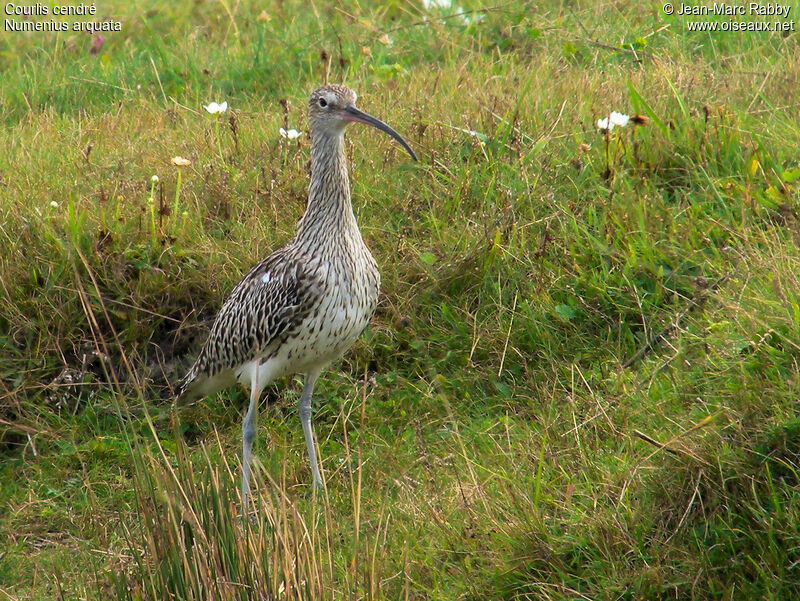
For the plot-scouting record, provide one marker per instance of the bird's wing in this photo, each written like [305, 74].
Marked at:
[264, 309]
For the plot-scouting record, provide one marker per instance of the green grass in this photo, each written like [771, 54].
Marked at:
[581, 381]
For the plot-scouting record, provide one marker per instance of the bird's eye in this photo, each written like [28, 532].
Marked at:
[323, 102]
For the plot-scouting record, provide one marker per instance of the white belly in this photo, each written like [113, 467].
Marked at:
[335, 323]
[325, 335]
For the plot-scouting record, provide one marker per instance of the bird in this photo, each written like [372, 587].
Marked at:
[305, 304]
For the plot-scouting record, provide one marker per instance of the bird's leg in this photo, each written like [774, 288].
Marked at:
[248, 435]
[304, 407]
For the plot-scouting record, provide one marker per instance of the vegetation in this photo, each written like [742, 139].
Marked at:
[582, 379]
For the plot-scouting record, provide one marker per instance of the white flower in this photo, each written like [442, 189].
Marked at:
[154, 179]
[291, 134]
[482, 138]
[180, 162]
[54, 204]
[613, 119]
[473, 18]
[443, 4]
[215, 108]
[604, 124]
[619, 119]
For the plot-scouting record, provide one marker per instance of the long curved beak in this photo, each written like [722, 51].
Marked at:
[351, 113]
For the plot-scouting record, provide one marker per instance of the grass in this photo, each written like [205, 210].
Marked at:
[581, 382]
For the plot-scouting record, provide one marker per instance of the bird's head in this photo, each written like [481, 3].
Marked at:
[333, 106]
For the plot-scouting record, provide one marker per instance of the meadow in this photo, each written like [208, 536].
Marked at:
[581, 381]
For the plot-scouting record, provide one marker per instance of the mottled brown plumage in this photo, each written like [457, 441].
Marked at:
[305, 304]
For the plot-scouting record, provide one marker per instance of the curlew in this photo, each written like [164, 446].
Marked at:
[305, 304]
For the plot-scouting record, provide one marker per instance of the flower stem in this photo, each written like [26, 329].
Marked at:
[152, 199]
[176, 202]
[219, 144]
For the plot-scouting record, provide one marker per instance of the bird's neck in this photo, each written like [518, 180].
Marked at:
[329, 209]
